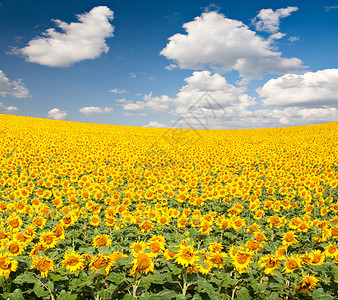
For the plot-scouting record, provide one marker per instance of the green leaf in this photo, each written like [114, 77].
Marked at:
[319, 294]
[16, 295]
[28, 278]
[243, 294]
[181, 297]
[128, 297]
[66, 296]
[117, 278]
[39, 290]
[274, 296]
[56, 277]
[50, 284]
[197, 297]
[165, 295]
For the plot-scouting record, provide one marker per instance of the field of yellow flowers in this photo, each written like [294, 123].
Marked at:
[92, 211]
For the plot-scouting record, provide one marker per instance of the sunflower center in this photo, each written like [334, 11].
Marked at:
[4, 265]
[316, 259]
[289, 238]
[14, 248]
[143, 262]
[14, 223]
[48, 240]
[291, 264]
[44, 266]
[332, 250]
[242, 258]
[73, 261]
[101, 241]
[271, 263]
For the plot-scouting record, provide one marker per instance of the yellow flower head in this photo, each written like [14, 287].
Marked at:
[44, 265]
[73, 261]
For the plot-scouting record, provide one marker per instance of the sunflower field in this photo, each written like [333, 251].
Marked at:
[91, 211]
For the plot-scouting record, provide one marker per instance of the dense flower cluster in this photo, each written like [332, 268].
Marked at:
[80, 197]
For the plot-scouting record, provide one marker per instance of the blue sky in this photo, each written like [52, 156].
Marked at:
[220, 64]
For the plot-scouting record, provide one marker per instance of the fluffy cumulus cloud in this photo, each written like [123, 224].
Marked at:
[15, 88]
[269, 20]
[77, 41]
[7, 109]
[95, 110]
[311, 89]
[57, 114]
[209, 101]
[155, 104]
[155, 124]
[215, 41]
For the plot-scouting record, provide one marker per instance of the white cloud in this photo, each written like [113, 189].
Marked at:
[118, 91]
[138, 105]
[79, 40]
[269, 20]
[7, 109]
[57, 114]
[155, 124]
[209, 101]
[155, 104]
[311, 89]
[212, 40]
[171, 67]
[132, 75]
[294, 38]
[94, 110]
[15, 88]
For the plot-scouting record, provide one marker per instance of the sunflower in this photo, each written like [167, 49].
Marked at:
[43, 264]
[36, 249]
[59, 232]
[204, 228]
[7, 264]
[101, 240]
[14, 222]
[142, 264]
[95, 220]
[242, 260]
[48, 239]
[182, 222]
[156, 247]
[215, 247]
[67, 220]
[73, 261]
[331, 251]
[205, 267]
[39, 222]
[217, 260]
[146, 226]
[101, 261]
[138, 247]
[292, 264]
[271, 263]
[168, 255]
[15, 248]
[253, 245]
[309, 282]
[186, 256]
[316, 258]
[289, 238]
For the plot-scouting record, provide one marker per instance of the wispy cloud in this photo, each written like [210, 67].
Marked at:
[15, 88]
[95, 110]
[118, 91]
[328, 8]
